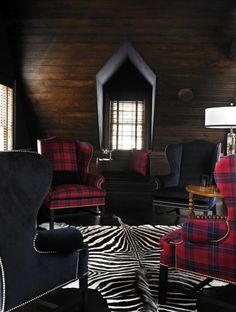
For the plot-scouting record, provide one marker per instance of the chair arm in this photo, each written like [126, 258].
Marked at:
[63, 240]
[172, 237]
[165, 181]
[93, 180]
[168, 243]
[205, 231]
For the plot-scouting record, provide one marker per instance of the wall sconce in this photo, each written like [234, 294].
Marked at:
[223, 118]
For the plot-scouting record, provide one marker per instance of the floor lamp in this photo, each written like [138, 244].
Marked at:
[223, 118]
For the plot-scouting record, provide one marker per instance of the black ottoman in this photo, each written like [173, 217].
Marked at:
[217, 299]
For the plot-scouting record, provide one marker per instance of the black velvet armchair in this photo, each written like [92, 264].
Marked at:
[187, 161]
[33, 263]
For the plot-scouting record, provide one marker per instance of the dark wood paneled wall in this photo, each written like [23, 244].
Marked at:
[59, 46]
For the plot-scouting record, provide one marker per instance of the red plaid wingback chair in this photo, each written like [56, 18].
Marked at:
[73, 186]
[206, 247]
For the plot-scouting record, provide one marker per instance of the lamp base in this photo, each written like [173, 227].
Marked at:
[230, 143]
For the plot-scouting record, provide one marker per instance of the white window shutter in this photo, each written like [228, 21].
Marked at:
[6, 118]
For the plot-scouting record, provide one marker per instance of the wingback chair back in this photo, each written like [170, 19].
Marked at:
[27, 273]
[188, 160]
[225, 175]
[66, 154]
[73, 185]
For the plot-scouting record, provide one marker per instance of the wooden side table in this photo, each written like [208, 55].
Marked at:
[205, 191]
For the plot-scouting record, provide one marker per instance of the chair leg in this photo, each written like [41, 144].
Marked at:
[83, 289]
[51, 220]
[202, 284]
[163, 284]
[101, 209]
[77, 303]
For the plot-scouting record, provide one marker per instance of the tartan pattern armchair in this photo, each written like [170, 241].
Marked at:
[73, 185]
[206, 247]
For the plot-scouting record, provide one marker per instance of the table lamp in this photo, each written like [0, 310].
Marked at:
[223, 118]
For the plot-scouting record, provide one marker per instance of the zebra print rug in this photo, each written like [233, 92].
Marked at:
[116, 254]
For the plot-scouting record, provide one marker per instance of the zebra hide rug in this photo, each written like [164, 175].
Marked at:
[124, 268]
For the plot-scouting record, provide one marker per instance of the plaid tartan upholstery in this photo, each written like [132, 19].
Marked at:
[61, 153]
[84, 155]
[63, 203]
[66, 191]
[201, 231]
[93, 180]
[167, 243]
[67, 155]
[208, 247]
[225, 176]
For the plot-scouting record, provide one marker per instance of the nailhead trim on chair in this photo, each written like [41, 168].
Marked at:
[46, 252]
[40, 251]
[3, 285]
[211, 217]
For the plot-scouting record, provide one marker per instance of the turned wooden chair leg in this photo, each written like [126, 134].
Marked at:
[83, 306]
[51, 219]
[163, 284]
[101, 210]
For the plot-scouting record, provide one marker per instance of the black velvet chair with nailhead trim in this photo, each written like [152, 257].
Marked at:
[34, 263]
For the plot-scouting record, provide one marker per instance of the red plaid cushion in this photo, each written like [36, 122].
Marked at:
[74, 191]
[204, 230]
[61, 153]
[140, 162]
[76, 202]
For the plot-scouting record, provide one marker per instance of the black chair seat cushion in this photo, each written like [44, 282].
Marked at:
[177, 194]
[63, 240]
[66, 177]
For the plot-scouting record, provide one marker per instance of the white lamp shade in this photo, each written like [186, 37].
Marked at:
[220, 117]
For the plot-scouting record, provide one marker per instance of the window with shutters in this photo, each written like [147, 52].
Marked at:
[127, 97]
[6, 118]
[126, 125]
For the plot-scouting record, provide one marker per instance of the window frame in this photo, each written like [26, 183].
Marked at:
[7, 120]
[127, 96]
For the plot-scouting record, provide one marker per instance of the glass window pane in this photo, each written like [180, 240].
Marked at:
[127, 124]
